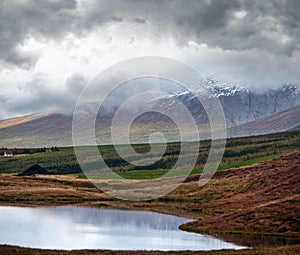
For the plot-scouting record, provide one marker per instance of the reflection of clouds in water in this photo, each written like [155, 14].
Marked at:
[112, 217]
[93, 228]
[33, 227]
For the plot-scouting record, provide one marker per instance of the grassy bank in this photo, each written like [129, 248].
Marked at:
[13, 250]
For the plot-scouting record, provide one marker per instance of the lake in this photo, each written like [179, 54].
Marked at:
[70, 227]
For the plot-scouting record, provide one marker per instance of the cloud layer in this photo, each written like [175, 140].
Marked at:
[254, 41]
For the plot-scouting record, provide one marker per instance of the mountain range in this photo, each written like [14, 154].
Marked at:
[246, 112]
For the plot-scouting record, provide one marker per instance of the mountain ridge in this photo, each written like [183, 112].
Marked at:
[246, 114]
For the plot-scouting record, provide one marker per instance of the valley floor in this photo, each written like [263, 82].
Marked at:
[263, 199]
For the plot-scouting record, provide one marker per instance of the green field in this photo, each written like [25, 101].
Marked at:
[238, 152]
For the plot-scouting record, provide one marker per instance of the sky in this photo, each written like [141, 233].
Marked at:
[51, 49]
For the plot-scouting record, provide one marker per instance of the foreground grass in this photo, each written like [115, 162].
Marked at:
[259, 199]
[14, 250]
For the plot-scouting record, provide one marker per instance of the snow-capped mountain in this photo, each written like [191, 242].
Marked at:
[241, 105]
[247, 113]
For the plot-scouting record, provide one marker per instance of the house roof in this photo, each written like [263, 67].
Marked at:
[35, 169]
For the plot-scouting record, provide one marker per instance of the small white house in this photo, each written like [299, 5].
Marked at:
[8, 154]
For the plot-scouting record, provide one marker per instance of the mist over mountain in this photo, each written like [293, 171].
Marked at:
[247, 113]
[242, 105]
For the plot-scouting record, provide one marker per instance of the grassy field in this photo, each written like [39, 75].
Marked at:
[238, 152]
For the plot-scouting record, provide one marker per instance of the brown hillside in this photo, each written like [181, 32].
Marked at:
[261, 198]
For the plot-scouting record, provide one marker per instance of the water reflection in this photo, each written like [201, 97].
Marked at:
[93, 228]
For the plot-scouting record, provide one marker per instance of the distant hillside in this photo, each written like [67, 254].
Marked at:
[288, 120]
[17, 121]
[44, 130]
[247, 113]
[55, 129]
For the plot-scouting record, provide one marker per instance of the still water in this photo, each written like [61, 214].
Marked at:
[70, 227]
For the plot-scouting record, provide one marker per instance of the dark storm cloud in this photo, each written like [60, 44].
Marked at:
[44, 20]
[183, 20]
[269, 25]
[21, 19]
[273, 26]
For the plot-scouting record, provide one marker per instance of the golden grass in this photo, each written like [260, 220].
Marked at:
[18, 121]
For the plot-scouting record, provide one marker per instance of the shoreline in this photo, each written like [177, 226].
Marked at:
[101, 204]
[17, 250]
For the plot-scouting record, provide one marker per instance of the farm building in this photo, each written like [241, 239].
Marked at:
[8, 154]
[33, 170]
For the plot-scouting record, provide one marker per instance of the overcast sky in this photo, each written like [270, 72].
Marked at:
[49, 50]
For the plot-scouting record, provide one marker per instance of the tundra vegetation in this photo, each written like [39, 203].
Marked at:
[255, 195]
